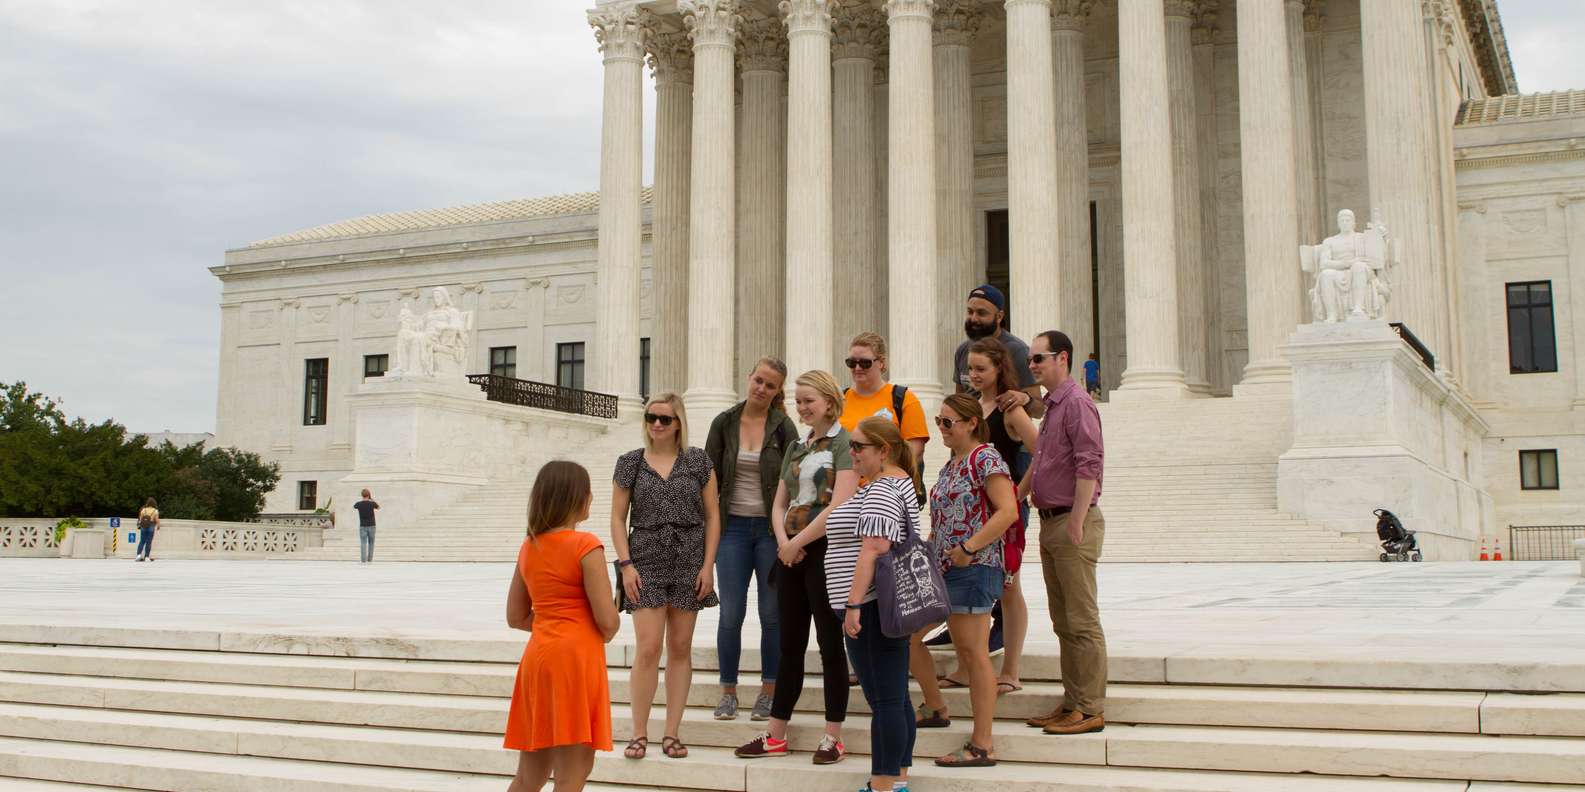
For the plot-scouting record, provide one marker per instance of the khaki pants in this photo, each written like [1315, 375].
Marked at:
[1075, 612]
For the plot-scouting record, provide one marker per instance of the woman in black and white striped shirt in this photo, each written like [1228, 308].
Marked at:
[858, 533]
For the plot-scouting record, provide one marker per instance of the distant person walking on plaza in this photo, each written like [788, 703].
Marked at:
[971, 507]
[746, 446]
[666, 492]
[1065, 483]
[816, 474]
[871, 395]
[859, 533]
[1092, 376]
[148, 523]
[561, 702]
[366, 509]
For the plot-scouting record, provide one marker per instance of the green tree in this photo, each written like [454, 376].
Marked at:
[240, 481]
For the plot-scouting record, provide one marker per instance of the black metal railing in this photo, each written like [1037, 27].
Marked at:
[1543, 542]
[1415, 344]
[524, 393]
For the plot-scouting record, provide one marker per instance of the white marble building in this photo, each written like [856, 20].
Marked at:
[1122, 167]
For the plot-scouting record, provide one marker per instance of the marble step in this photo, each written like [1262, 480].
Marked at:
[1409, 756]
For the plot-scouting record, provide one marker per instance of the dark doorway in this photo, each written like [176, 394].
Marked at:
[997, 234]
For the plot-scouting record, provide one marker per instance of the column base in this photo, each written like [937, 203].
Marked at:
[928, 392]
[703, 405]
[1266, 372]
[1141, 384]
[629, 409]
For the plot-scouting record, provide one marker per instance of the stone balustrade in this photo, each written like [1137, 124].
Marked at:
[34, 537]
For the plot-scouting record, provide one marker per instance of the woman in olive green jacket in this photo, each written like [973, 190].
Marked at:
[745, 445]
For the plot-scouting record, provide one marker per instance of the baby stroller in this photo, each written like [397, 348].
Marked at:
[1397, 543]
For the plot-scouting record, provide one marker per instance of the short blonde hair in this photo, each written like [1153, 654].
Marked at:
[825, 385]
[873, 341]
[675, 402]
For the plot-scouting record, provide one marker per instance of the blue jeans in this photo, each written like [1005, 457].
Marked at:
[747, 548]
[365, 543]
[882, 667]
[145, 541]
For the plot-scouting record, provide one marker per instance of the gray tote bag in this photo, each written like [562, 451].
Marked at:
[911, 591]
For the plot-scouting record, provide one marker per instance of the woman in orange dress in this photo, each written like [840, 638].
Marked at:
[561, 704]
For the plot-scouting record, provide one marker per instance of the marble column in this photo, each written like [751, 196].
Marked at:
[1271, 210]
[350, 374]
[1311, 228]
[810, 235]
[859, 31]
[1192, 264]
[711, 220]
[1155, 365]
[1489, 350]
[1573, 206]
[671, 59]
[1203, 37]
[762, 194]
[1075, 280]
[911, 197]
[1396, 141]
[293, 374]
[956, 24]
[620, 247]
[1034, 264]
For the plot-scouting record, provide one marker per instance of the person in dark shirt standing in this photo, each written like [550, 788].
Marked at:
[366, 509]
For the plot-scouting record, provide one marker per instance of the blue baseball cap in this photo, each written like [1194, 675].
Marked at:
[990, 294]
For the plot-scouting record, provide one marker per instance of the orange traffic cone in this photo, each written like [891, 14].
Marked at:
[1484, 554]
[1496, 554]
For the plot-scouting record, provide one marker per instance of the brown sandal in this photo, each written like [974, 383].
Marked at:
[927, 718]
[636, 748]
[970, 755]
[673, 748]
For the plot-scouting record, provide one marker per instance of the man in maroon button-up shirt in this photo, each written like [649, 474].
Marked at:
[1065, 480]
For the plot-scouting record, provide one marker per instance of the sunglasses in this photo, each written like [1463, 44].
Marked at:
[946, 424]
[663, 420]
[1041, 357]
[859, 446]
[862, 363]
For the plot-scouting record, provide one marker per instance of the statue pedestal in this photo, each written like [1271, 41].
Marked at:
[419, 445]
[1373, 428]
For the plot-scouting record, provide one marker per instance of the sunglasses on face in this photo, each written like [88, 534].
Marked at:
[663, 420]
[1041, 357]
[860, 446]
[862, 363]
[946, 423]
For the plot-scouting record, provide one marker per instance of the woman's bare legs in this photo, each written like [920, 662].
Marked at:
[533, 770]
[572, 764]
[679, 665]
[1015, 628]
[974, 658]
[923, 667]
[649, 632]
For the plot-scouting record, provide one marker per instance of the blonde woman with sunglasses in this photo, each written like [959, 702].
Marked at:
[667, 494]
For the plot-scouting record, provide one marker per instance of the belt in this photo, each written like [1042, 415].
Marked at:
[1046, 514]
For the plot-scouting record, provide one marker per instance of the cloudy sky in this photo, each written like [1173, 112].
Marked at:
[139, 139]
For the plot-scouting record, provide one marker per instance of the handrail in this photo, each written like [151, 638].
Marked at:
[525, 393]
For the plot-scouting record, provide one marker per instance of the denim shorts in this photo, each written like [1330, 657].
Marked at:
[974, 588]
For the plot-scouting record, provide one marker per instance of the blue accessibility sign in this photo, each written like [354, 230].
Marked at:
[115, 522]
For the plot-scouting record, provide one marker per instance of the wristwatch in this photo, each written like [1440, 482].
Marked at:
[851, 606]
[624, 563]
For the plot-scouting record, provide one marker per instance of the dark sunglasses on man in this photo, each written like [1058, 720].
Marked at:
[1040, 357]
[663, 420]
[863, 363]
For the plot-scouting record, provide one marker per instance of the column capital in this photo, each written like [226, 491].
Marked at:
[670, 56]
[806, 16]
[761, 46]
[957, 22]
[1205, 29]
[1314, 16]
[711, 23]
[860, 32]
[1070, 14]
[904, 9]
[620, 34]
[1187, 8]
[1440, 14]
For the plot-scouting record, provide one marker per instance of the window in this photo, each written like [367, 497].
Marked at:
[569, 365]
[1538, 469]
[1532, 344]
[307, 495]
[316, 391]
[503, 361]
[643, 369]
[376, 365]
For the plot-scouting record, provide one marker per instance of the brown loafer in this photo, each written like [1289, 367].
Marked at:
[1041, 721]
[1077, 723]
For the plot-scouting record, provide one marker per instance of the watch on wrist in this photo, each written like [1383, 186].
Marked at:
[624, 562]
[851, 606]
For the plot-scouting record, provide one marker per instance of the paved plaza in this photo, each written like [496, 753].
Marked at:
[1525, 614]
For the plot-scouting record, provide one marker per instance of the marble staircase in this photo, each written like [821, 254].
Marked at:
[147, 710]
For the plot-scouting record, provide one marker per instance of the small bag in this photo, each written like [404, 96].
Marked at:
[144, 520]
[621, 591]
[911, 591]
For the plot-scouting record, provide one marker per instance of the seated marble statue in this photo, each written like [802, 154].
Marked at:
[446, 329]
[1349, 271]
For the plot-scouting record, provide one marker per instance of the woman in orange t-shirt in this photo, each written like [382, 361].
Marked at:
[561, 703]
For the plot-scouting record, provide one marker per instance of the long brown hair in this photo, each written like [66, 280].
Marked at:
[560, 490]
[996, 352]
[898, 452]
[968, 408]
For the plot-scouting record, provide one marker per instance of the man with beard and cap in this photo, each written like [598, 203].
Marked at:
[987, 309]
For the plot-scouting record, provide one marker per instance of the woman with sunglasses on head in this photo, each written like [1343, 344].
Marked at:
[666, 492]
[816, 474]
[858, 534]
[746, 445]
[989, 371]
[971, 506]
